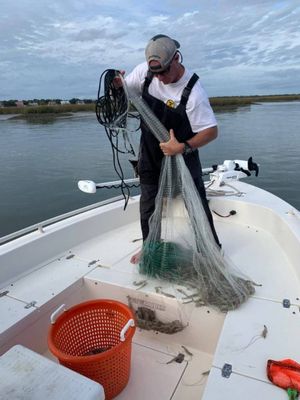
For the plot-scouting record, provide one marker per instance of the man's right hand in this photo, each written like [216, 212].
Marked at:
[118, 81]
[172, 146]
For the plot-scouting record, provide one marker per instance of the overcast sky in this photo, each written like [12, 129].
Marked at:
[58, 48]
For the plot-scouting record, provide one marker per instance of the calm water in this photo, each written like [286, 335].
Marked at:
[40, 164]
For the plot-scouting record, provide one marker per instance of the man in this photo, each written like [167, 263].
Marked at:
[177, 98]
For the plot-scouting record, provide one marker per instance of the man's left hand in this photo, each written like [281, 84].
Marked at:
[172, 146]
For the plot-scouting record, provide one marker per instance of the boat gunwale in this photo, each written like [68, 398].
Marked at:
[40, 225]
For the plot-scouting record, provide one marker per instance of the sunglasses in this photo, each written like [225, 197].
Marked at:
[164, 72]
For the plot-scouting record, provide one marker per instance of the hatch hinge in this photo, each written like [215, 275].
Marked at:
[226, 370]
[2, 294]
[31, 304]
[286, 303]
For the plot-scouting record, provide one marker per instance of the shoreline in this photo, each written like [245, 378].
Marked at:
[217, 103]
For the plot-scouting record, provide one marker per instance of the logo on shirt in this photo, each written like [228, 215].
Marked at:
[170, 103]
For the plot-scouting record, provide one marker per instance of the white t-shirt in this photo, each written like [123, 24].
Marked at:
[198, 109]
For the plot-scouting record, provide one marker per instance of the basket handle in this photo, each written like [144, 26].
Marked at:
[56, 312]
[129, 324]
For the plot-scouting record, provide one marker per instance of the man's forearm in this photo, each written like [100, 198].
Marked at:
[204, 137]
[172, 146]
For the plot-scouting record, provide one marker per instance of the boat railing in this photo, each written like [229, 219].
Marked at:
[41, 225]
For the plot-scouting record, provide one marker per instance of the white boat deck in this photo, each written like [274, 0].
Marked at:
[100, 268]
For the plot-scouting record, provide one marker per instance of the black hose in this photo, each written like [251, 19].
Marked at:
[232, 212]
[111, 111]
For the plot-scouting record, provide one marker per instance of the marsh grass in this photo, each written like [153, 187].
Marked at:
[217, 103]
[246, 100]
[48, 109]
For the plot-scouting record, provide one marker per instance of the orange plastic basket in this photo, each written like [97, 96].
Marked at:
[94, 338]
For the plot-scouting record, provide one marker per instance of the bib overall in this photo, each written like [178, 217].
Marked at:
[150, 157]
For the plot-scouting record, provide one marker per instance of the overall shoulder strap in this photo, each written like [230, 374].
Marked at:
[147, 82]
[187, 90]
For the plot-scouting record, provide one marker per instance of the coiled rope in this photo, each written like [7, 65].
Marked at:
[112, 111]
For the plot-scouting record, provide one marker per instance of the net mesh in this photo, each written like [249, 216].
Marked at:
[180, 246]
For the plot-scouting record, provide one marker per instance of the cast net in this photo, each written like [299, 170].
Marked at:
[180, 246]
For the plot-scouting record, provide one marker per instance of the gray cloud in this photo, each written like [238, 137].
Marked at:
[237, 47]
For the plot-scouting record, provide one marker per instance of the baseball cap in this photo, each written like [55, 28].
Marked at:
[161, 48]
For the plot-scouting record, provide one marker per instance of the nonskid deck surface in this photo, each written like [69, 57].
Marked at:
[262, 328]
[101, 268]
[253, 252]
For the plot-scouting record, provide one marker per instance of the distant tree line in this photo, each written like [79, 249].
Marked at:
[43, 102]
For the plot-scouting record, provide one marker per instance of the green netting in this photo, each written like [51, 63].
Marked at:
[166, 260]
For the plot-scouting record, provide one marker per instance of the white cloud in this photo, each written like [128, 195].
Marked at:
[158, 21]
